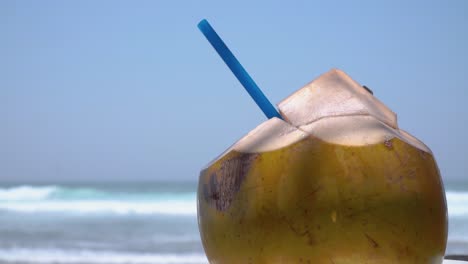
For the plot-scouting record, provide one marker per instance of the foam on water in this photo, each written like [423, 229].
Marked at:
[457, 203]
[39, 256]
[26, 193]
[99, 206]
[54, 192]
[54, 199]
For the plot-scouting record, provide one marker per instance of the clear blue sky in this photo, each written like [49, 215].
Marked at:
[131, 90]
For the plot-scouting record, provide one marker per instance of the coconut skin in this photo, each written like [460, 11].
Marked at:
[294, 192]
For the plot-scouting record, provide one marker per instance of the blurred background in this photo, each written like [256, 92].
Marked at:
[109, 109]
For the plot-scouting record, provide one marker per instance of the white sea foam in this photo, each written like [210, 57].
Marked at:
[26, 193]
[102, 206]
[457, 203]
[57, 256]
[54, 199]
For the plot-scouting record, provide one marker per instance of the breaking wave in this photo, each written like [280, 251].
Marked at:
[92, 200]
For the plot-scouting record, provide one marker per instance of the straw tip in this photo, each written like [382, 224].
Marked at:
[202, 23]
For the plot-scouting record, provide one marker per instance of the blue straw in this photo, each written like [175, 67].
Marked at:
[244, 78]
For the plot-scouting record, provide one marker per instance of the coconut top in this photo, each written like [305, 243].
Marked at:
[270, 135]
[333, 94]
[337, 109]
[333, 108]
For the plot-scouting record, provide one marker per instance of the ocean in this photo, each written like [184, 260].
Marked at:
[131, 223]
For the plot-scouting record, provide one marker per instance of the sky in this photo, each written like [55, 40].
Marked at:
[131, 90]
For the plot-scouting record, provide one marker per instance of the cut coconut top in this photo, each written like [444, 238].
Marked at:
[358, 130]
[333, 94]
[333, 108]
[337, 109]
[270, 135]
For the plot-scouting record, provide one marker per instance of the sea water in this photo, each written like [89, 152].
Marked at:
[131, 223]
[100, 223]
